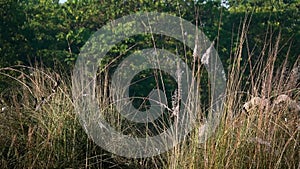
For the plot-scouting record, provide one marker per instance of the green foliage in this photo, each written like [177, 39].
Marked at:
[12, 36]
[48, 31]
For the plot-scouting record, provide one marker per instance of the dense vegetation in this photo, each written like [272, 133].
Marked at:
[258, 43]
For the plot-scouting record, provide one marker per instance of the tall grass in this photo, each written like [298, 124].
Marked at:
[38, 126]
[39, 129]
[264, 135]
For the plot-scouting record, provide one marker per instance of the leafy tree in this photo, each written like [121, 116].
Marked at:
[12, 35]
[274, 17]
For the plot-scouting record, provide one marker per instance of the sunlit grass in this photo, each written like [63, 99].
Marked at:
[39, 129]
